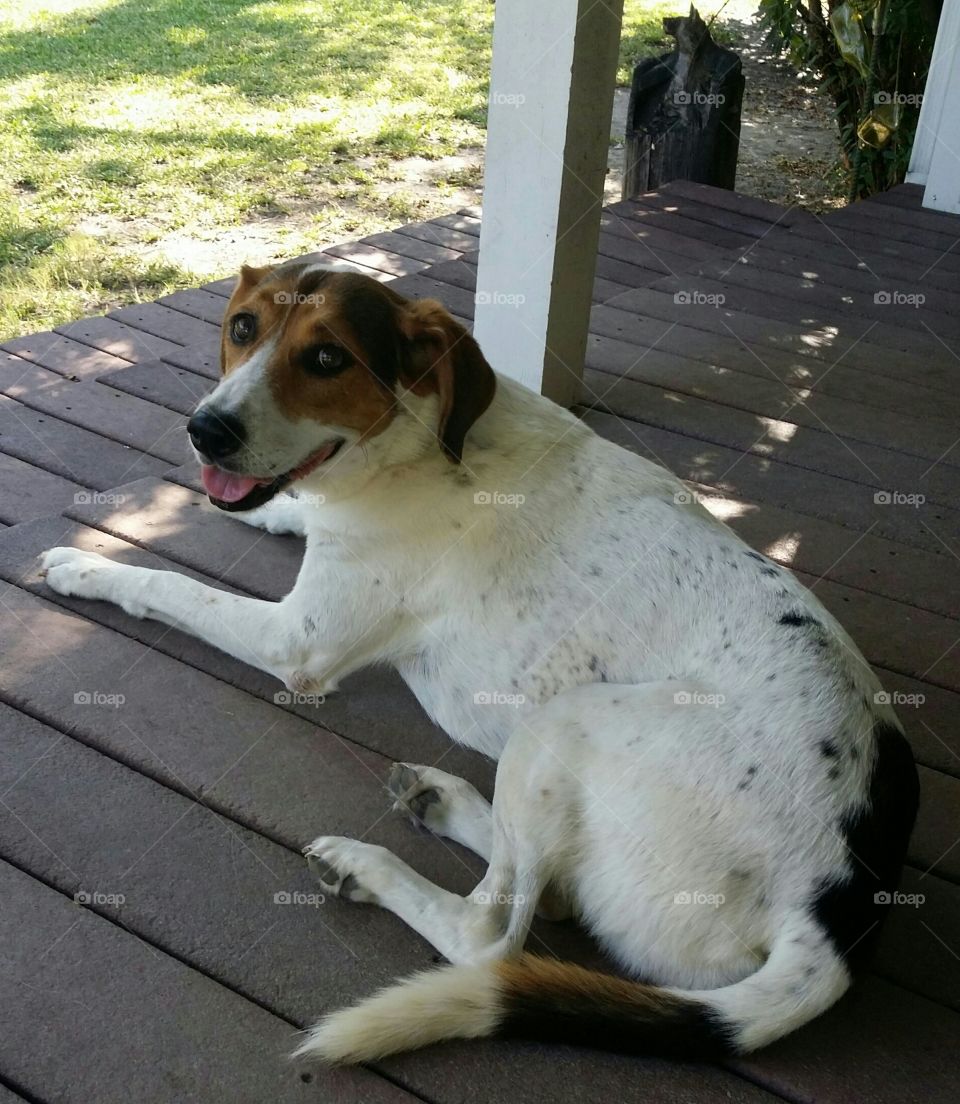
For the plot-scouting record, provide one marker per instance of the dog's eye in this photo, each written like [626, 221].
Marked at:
[331, 358]
[243, 327]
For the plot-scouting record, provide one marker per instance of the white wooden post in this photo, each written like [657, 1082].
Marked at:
[548, 132]
[935, 160]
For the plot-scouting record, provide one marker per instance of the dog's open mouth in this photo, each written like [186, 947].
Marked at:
[231, 491]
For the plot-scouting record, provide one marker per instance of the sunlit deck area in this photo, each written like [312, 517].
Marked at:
[161, 942]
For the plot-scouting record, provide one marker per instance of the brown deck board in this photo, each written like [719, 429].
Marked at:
[863, 239]
[67, 450]
[111, 1007]
[781, 250]
[161, 383]
[165, 323]
[197, 303]
[123, 341]
[819, 449]
[761, 392]
[64, 355]
[28, 492]
[619, 340]
[755, 477]
[849, 340]
[95, 406]
[385, 264]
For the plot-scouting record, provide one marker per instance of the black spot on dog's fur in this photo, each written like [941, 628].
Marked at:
[796, 617]
[829, 749]
[849, 905]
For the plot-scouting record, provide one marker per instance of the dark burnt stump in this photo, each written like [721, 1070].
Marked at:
[683, 121]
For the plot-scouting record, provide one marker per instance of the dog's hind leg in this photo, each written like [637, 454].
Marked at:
[533, 827]
[448, 806]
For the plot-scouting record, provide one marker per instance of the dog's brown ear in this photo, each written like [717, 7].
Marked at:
[251, 275]
[446, 359]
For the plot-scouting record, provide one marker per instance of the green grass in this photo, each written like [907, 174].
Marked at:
[127, 121]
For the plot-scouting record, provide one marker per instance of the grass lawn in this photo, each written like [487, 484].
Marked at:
[130, 127]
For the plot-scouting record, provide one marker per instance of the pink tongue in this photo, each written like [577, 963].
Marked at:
[225, 485]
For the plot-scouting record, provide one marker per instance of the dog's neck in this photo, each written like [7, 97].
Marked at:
[505, 445]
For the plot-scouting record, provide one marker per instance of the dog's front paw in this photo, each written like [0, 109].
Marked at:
[75, 573]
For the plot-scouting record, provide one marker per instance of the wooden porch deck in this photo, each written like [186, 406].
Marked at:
[146, 844]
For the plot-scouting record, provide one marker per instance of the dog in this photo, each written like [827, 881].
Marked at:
[694, 759]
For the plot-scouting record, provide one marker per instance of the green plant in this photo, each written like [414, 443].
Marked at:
[872, 57]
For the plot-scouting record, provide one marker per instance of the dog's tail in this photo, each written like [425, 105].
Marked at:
[550, 1001]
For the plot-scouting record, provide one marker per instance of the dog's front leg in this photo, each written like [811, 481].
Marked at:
[248, 628]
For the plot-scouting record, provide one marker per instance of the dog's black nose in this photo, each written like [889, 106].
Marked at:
[214, 434]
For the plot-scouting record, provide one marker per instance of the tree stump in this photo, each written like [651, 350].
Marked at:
[683, 122]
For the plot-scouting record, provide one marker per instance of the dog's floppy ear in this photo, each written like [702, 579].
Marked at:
[446, 359]
[250, 276]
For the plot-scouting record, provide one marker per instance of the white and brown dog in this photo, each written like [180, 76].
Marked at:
[694, 758]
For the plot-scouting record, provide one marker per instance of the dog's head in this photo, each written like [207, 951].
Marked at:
[318, 363]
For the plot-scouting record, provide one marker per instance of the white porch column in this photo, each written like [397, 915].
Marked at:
[935, 160]
[548, 132]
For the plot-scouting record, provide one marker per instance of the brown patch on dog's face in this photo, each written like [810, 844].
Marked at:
[341, 355]
[338, 346]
